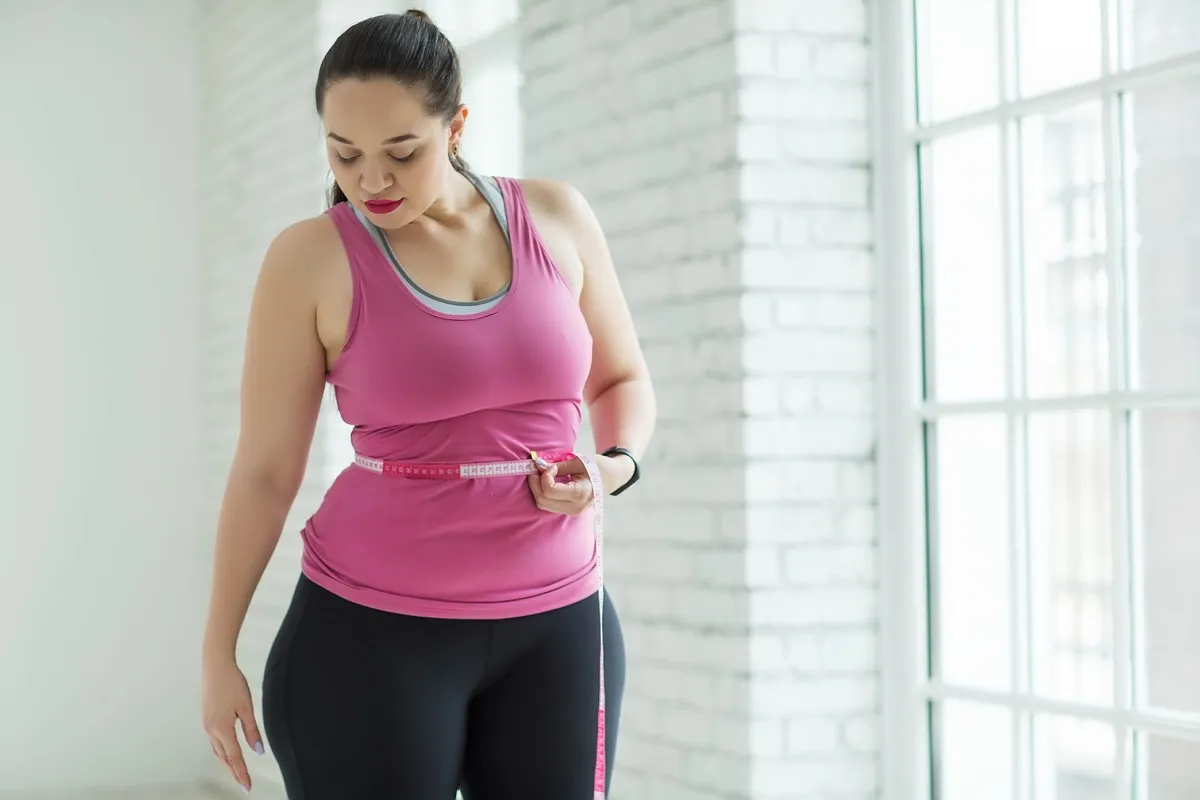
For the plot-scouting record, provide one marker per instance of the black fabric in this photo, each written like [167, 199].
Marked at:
[360, 704]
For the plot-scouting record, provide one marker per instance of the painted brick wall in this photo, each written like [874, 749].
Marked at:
[724, 146]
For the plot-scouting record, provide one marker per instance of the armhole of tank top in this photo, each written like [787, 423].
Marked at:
[348, 230]
[516, 207]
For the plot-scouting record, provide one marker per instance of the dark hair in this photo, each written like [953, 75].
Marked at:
[407, 48]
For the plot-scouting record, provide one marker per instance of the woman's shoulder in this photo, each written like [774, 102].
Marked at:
[305, 258]
[567, 224]
[560, 204]
[556, 199]
[310, 245]
[566, 208]
[309, 238]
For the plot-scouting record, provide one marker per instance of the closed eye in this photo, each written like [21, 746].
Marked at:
[352, 159]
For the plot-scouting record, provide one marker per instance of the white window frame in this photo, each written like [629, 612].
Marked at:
[901, 411]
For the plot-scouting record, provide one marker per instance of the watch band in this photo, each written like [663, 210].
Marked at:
[637, 472]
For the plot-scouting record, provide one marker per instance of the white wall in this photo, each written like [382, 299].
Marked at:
[102, 582]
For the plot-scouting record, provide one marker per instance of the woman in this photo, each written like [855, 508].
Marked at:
[444, 633]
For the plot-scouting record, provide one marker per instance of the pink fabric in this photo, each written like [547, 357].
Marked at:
[422, 386]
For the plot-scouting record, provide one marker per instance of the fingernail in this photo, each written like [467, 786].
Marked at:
[245, 789]
[258, 748]
[543, 463]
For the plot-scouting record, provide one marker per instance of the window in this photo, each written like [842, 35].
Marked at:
[1042, 275]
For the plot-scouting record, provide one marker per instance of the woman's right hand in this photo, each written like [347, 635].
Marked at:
[226, 700]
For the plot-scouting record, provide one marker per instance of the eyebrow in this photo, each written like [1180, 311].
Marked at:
[404, 137]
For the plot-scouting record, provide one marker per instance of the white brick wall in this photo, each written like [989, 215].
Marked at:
[724, 146]
[812, 342]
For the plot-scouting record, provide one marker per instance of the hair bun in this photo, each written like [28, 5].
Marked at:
[419, 14]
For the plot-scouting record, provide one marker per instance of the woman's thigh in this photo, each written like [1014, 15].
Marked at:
[360, 704]
[532, 729]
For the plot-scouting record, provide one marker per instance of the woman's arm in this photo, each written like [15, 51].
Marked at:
[283, 377]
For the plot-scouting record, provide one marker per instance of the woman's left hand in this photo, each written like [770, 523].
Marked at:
[565, 488]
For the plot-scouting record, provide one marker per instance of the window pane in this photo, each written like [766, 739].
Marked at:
[1159, 29]
[1167, 457]
[1066, 279]
[1059, 43]
[963, 246]
[958, 64]
[1071, 555]
[976, 755]
[1166, 274]
[1073, 759]
[1172, 768]
[974, 613]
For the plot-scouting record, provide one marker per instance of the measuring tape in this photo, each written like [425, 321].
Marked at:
[495, 469]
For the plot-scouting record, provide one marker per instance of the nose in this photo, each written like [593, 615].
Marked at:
[374, 180]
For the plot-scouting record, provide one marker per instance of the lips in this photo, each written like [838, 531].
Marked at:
[382, 206]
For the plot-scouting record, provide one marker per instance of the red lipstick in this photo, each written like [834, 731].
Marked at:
[382, 206]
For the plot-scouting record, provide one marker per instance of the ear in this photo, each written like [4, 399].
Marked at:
[457, 124]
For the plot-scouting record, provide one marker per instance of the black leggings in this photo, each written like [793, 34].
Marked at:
[360, 704]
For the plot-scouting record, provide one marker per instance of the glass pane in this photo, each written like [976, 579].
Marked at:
[1070, 512]
[1159, 29]
[958, 63]
[1172, 768]
[1165, 172]
[963, 248]
[1066, 278]
[974, 611]
[1167, 458]
[976, 756]
[1073, 759]
[1059, 42]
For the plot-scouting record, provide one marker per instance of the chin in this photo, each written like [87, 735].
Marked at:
[403, 215]
[392, 221]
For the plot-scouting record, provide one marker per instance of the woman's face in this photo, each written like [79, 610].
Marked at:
[387, 153]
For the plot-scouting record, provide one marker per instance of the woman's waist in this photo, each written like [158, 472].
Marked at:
[364, 497]
[421, 537]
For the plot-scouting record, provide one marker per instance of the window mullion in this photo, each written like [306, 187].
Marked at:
[1122, 573]
[1012, 266]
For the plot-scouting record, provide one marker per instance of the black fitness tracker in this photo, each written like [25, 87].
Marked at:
[621, 451]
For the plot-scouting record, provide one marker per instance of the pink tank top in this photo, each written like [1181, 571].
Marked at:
[421, 385]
